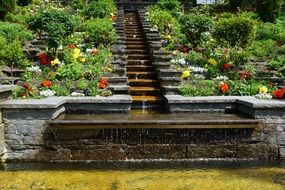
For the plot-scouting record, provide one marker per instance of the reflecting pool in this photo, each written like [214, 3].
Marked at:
[142, 176]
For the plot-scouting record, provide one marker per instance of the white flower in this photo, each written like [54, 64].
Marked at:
[35, 69]
[198, 69]
[200, 76]
[77, 94]
[178, 61]
[221, 78]
[265, 96]
[47, 93]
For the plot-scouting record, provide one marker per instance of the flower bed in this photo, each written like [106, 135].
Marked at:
[223, 53]
[70, 55]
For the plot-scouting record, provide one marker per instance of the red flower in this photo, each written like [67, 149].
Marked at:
[223, 87]
[226, 67]
[185, 50]
[27, 87]
[43, 58]
[278, 93]
[103, 83]
[71, 46]
[47, 83]
[180, 47]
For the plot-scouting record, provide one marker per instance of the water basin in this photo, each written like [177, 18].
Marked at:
[145, 176]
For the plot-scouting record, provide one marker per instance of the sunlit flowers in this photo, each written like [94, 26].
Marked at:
[46, 83]
[83, 59]
[47, 93]
[186, 74]
[103, 83]
[55, 62]
[263, 90]
[75, 53]
[27, 87]
[212, 61]
[223, 87]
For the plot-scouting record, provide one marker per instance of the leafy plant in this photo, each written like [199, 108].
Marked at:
[193, 26]
[58, 25]
[169, 5]
[268, 10]
[6, 6]
[235, 31]
[13, 31]
[263, 50]
[99, 9]
[100, 31]
[199, 88]
[24, 2]
[196, 58]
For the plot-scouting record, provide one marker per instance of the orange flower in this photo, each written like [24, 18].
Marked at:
[223, 87]
[94, 51]
[71, 46]
[278, 93]
[27, 87]
[114, 18]
[47, 83]
[103, 83]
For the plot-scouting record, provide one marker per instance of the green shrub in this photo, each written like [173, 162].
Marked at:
[170, 5]
[16, 18]
[71, 71]
[58, 25]
[268, 10]
[12, 31]
[6, 6]
[246, 88]
[196, 58]
[99, 9]
[78, 4]
[99, 31]
[239, 57]
[235, 31]
[12, 53]
[263, 50]
[193, 26]
[199, 88]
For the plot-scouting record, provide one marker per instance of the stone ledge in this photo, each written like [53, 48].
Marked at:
[4, 88]
[55, 102]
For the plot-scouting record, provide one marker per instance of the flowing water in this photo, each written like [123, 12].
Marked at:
[138, 176]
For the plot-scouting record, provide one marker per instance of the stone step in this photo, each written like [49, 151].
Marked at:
[161, 65]
[152, 99]
[122, 89]
[140, 75]
[144, 68]
[139, 62]
[139, 46]
[145, 91]
[138, 56]
[170, 90]
[131, 36]
[138, 39]
[135, 43]
[170, 81]
[169, 73]
[136, 51]
[143, 83]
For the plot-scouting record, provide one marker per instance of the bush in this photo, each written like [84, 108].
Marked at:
[263, 50]
[99, 9]
[235, 31]
[199, 88]
[99, 31]
[268, 10]
[6, 6]
[170, 5]
[12, 53]
[12, 31]
[78, 4]
[58, 25]
[197, 59]
[193, 26]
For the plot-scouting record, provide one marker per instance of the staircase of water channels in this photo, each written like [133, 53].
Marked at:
[144, 86]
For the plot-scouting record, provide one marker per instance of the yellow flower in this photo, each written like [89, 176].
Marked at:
[212, 61]
[174, 52]
[75, 53]
[263, 90]
[55, 62]
[186, 74]
[206, 66]
[83, 59]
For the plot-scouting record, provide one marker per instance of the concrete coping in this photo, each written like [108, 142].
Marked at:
[55, 102]
[248, 101]
[6, 88]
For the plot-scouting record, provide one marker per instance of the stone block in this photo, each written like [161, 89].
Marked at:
[260, 151]
[195, 151]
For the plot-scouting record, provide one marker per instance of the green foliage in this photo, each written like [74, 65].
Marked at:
[246, 88]
[12, 53]
[16, 18]
[196, 58]
[235, 4]
[263, 50]
[193, 26]
[78, 4]
[268, 10]
[239, 57]
[199, 88]
[100, 31]
[24, 2]
[12, 31]
[235, 31]
[58, 25]
[6, 6]
[99, 9]
[71, 71]
[170, 5]
[61, 90]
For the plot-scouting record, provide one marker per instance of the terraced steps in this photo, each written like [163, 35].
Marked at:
[144, 86]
